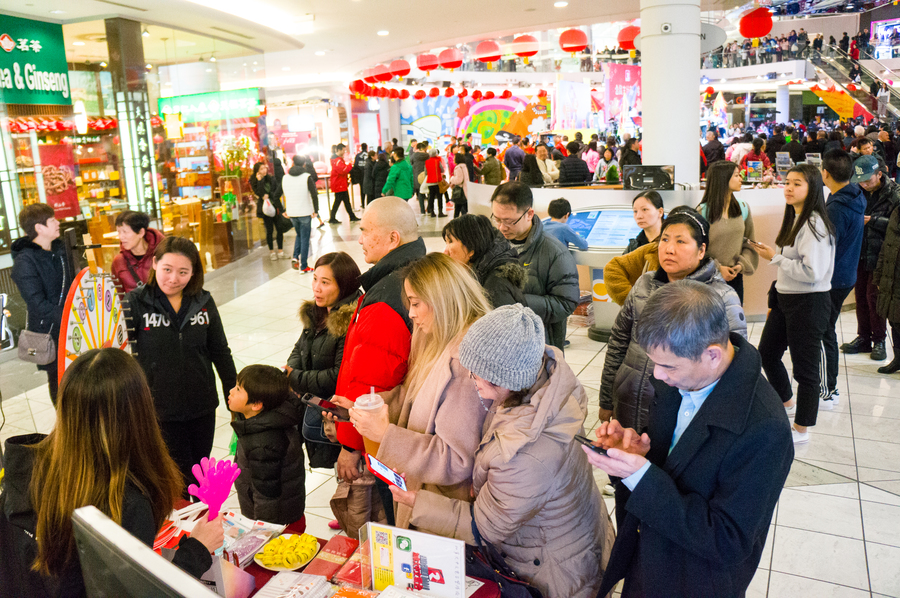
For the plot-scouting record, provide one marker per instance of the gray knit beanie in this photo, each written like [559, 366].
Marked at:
[505, 347]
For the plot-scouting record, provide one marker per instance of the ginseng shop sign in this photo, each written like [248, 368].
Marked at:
[33, 67]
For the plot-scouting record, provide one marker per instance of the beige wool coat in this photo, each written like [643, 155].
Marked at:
[536, 498]
[433, 436]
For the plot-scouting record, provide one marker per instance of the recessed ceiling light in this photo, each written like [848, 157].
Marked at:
[145, 33]
[254, 63]
[285, 68]
[320, 53]
[208, 70]
[57, 12]
[560, 4]
[77, 43]
[384, 32]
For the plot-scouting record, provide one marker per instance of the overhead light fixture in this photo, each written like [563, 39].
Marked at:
[149, 66]
[77, 43]
[145, 33]
[57, 12]
[103, 65]
[212, 58]
[208, 70]
[320, 53]
[560, 4]
[384, 32]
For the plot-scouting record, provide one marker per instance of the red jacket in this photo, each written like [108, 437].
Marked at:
[562, 149]
[376, 348]
[434, 170]
[141, 265]
[339, 172]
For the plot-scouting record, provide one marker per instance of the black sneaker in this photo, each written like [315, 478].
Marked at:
[879, 352]
[333, 221]
[857, 345]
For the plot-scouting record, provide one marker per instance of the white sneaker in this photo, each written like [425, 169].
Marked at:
[273, 257]
[608, 490]
[792, 410]
[799, 437]
[829, 403]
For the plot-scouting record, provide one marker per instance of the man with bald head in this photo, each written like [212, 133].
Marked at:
[376, 349]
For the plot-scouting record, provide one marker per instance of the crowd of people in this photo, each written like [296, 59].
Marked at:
[465, 352]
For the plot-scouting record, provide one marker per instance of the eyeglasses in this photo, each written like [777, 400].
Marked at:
[507, 223]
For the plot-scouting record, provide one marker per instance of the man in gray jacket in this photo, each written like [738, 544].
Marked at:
[551, 290]
[417, 158]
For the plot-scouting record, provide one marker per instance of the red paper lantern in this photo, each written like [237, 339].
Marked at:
[488, 52]
[434, 92]
[489, 95]
[394, 94]
[399, 68]
[525, 46]
[358, 87]
[626, 37]
[506, 94]
[154, 121]
[383, 92]
[709, 91]
[369, 76]
[451, 58]
[426, 62]
[382, 74]
[463, 93]
[476, 95]
[449, 93]
[420, 95]
[852, 87]
[756, 23]
[573, 40]
[542, 93]
[404, 94]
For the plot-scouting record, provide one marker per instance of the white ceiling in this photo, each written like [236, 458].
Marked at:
[345, 30]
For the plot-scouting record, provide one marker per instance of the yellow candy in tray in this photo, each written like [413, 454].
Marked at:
[289, 551]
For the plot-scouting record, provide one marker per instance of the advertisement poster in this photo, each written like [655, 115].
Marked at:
[623, 94]
[58, 169]
[842, 103]
[573, 101]
[495, 121]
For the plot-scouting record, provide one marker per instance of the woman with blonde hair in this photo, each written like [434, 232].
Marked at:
[105, 450]
[431, 426]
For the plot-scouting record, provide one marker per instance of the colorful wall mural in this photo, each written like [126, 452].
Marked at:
[495, 120]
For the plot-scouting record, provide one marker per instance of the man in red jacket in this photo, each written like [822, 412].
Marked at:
[376, 349]
[340, 170]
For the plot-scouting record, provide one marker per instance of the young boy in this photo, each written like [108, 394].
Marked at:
[557, 227]
[271, 486]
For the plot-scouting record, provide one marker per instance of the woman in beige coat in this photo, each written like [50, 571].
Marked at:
[535, 495]
[431, 424]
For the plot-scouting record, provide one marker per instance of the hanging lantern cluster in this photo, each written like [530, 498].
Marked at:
[51, 124]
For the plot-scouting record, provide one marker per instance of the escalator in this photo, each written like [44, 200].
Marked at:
[838, 68]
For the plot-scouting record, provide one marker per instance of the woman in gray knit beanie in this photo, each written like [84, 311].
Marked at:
[535, 496]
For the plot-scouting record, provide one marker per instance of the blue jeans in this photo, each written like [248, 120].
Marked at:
[302, 226]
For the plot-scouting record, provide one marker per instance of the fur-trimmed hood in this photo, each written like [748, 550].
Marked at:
[338, 320]
[502, 259]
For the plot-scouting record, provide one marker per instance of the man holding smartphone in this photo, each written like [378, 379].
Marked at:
[704, 478]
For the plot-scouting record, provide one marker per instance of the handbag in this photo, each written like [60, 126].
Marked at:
[37, 347]
[322, 452]
[443, 185]
[283, 224]
[485, 562]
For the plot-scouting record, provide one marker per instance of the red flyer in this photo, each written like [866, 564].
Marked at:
[58, 170]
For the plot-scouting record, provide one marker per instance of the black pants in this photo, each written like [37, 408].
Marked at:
[188, 442]
[421, 197]
[797, 323]
[870, 327]
[52, 370]
[434, 195]
[270, 229]
[830, 343]
[737, 283]
[342, 197]
[460, 205]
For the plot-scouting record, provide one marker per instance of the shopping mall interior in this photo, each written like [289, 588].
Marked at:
[167, 107]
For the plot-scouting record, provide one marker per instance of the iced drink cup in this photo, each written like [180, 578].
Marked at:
[370, 402]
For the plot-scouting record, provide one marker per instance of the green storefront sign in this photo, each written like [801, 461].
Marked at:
[33, 66]
[218, 105]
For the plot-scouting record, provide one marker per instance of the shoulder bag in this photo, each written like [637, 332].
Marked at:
[322, 452]
[283, 224]
[485, 562]
[40, 347]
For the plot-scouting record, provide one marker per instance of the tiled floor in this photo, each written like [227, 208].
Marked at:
[836, 531]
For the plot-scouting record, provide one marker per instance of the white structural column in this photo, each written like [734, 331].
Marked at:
[782, 104]
[670, 80]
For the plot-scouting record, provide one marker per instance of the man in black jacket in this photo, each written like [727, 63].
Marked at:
[704, 479]
[43, 276]
[794, 147]
[775, 143]
[573, 170]
[882, 196]
[713, 150]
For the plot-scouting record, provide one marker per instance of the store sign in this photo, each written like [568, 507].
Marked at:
[33, 66]
[219, 105]
[144, 149]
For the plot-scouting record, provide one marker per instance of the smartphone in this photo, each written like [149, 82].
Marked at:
[751, 241]
[385, 473]
[342, 415]
[590, 445]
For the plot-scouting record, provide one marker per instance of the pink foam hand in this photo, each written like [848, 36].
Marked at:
[216, 479]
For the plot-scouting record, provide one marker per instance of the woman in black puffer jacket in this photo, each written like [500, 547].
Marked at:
[316, 359]
[473, 241]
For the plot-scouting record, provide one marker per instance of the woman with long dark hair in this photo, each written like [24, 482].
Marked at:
[178, 337]
[649, 215]
[799, 300]
[730, 223]
[266, 187]
[105, 450]
[531, 172]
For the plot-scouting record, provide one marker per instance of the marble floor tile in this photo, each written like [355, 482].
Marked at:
[318, 526]
[759, 585]
[820, 513]
[782, 585]
[870, 474]
[892, 487]
[844, 490]
[823, 447]
[825, 557]
[884, 569]
[876, 428]
[878, 455]
[881, 522]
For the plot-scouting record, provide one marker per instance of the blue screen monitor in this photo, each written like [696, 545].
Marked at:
[115, 564]
[607, 227]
